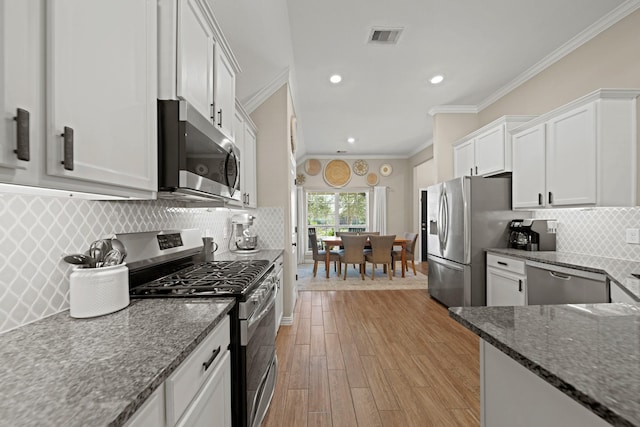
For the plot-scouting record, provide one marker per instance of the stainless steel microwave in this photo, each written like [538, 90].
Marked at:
[195, 161]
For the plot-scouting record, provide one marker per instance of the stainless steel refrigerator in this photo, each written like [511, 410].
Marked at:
[465, 215]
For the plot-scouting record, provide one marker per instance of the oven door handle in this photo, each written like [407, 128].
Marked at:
[247, 326]
[257, 318]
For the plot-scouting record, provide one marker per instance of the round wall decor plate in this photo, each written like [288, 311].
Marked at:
[360, 167]
[312, 167]
[372, 179]
[386, 169]
[337, 173]
[300, 179]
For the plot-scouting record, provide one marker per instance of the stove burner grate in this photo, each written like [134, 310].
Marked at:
[207, 278]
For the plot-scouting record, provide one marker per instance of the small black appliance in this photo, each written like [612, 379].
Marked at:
[533, 234]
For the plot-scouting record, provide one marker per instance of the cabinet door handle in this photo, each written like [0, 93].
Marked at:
[215, 354]
[550, 197]
[539, 199]
[503, 263]
[220, 117]
[67, 136]
[22, 134]
[519, 285]
[471, 171]
[213, 111]
[476, 170]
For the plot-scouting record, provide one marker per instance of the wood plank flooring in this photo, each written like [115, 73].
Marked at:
[375, 358]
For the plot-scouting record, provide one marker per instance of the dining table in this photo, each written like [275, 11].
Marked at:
[331, 241]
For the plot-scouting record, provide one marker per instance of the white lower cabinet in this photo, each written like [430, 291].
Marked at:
[513, 396]
[151, 413]
[212, 405]
[506, 281]
[198, 392]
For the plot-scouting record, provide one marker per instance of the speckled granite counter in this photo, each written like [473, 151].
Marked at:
[268, 254]
[92, 372]
[617, 270]
[590, 352]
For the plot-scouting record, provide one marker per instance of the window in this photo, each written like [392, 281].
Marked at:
[331, 212]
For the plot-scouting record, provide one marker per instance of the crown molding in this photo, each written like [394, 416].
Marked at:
[607, 21]
[263, 94]
[421, 147]
[453, 109]
[306, 157]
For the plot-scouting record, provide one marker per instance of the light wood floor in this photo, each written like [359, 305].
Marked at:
[375, 358]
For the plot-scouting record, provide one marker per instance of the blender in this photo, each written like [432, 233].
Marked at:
[243, 238]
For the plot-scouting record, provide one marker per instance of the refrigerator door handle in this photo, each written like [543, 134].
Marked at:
[445, 231]
[440, 220]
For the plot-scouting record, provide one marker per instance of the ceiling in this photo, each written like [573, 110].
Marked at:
[385, 96]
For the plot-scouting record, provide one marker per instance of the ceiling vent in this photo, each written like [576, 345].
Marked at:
[385, 35]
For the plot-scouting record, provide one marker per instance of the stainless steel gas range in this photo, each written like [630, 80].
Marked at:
[169, 264]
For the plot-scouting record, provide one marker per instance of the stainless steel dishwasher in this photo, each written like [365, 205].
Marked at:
[552, 284]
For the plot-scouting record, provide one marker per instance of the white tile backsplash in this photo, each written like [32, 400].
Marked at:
[595, 231]
[37, 231]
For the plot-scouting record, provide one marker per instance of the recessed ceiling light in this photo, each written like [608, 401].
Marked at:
[436, 79]
[336, 78]
[351, 140]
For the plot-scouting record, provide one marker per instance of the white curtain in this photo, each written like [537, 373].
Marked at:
[380, 209]
[302, 223]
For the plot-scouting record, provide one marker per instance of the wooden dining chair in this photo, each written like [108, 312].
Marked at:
[353, 253]
[409, 253]
[320, 256]
[381, 247]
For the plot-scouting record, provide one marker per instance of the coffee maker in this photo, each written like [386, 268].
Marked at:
[243, 238]
[533, 234]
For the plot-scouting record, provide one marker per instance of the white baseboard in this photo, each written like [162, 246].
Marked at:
[287, 320]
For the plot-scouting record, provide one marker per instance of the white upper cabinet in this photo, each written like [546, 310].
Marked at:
[101, 92]
[195, 56]
[224, 92]
[571, 157]
[463, 158]
[94, 63]
[245, 133]
[492, 153]
[528, 178]
[196, 63]
[21, 102]
[487, 151]
[589, 152]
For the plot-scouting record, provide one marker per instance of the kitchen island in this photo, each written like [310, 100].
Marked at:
[78, 372]
[574, 364]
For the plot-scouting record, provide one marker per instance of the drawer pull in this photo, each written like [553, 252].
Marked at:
[503, 263]
[215, 354]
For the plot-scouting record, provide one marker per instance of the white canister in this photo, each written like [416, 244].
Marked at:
[98, 291]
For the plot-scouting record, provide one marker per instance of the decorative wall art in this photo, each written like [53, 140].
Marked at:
[300, 179]
[386, 169]
[372, 179]
[337, 173]
[312, 167]
[360, 167]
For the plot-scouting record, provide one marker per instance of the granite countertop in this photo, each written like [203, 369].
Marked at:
[618, 270]
[591, 352]
[267, 254]
[99, 371]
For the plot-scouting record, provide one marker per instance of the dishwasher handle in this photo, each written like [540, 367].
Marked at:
[559, 276]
